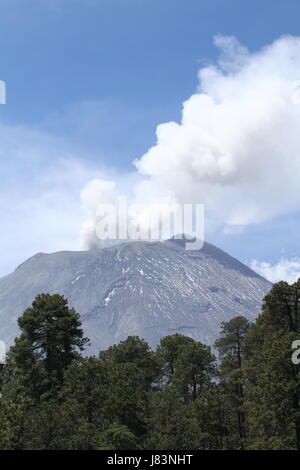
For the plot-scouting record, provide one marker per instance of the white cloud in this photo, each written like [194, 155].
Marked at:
[284, 270]
[43, 169]
[237, 146]
[236, 149]
[39, 194]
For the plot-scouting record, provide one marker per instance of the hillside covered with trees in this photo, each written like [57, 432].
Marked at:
[244, 393]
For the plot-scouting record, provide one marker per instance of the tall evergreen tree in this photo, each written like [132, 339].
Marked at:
[51, 338]
[273, 395]
[137, 352]
[185, 363]
[133, 369]
[230, 346]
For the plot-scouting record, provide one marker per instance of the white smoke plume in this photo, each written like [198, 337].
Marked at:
[236, 149]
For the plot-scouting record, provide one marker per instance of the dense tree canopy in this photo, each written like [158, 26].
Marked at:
[179, 396]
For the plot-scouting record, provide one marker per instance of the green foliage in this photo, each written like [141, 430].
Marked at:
[273, 392]
[130, 397]
[133, 370]
[136, 352]
[232, 379]
[51, 338]
[171, 425]
[118, 437]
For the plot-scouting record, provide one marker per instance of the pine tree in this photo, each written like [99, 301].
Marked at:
[134, 351]
[51, 338]
[273, 395]
[186, 364]
[172, 424]
[83, 404]
[230, 346]
[133, 370]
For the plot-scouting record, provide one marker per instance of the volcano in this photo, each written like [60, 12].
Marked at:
[149, 289]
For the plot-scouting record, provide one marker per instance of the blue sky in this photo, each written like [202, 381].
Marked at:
[87, 82]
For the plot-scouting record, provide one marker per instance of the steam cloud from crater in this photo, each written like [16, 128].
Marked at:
[236, 149]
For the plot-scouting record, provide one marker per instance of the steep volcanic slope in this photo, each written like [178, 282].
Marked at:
[139, 288]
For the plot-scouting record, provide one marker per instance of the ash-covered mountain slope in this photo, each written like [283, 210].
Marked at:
[137, 288]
